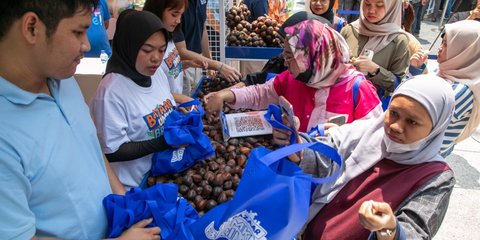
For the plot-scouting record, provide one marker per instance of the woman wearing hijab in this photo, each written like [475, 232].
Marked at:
[459, 64]
[276, 64]
[318, 82]
[133, 98]
[379, 29]
[393, 179]
[324, 8]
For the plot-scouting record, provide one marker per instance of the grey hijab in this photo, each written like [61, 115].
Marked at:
[361, 143]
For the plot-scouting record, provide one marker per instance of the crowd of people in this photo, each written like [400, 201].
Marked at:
[57, 164]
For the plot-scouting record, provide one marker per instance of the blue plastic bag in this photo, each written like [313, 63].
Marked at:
[271, 201]
[274, 117]
[160, 202]
[386, 97]
[182, 129]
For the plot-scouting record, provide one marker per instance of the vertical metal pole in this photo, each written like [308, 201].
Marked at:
[443, 14]
[222, 5]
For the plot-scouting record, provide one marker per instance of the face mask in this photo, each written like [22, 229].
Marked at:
[394, 147]
[304, 76]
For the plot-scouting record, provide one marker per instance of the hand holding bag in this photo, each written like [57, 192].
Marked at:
[182, 129]
[274, 117]
[160, 202]
[271, 201]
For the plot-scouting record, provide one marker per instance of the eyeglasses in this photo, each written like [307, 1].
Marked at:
[320, 1]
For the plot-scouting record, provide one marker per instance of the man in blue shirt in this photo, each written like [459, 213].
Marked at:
[97, 32]
[257, 8]
[52, 171]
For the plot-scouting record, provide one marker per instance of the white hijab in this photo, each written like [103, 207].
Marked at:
[382, 33]
[361, 143]
[463, 64]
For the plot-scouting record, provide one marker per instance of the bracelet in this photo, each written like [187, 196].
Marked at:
[220, 68]
[387, 232]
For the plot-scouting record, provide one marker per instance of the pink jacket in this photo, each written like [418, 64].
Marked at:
[311, 105]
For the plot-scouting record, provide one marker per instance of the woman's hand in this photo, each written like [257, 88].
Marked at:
[186, 110]
[365, 65]
[282, 137]
[327, 126]
[138, 231]
[230, 73]
[214, 101]
[419, 58]
[376, 216]
[180, 98]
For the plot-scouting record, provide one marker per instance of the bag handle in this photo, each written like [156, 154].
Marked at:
[276, 122]
[322, 148]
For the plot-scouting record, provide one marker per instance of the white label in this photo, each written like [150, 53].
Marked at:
[177, 155]
[241, 226]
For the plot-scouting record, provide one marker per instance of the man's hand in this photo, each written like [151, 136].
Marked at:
[138, 231]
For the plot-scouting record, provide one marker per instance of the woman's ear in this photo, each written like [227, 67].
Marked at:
[31, 27]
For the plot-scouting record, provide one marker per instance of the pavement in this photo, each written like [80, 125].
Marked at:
[463, 214]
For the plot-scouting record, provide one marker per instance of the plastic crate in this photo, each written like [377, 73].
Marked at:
[199, 86]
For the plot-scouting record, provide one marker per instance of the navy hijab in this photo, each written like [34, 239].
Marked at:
[132, 30]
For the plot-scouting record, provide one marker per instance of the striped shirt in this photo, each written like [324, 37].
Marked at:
[463, 109]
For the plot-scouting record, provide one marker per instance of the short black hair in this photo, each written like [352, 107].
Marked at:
[50, 12]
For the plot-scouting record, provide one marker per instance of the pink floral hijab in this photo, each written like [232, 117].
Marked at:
[320, 52]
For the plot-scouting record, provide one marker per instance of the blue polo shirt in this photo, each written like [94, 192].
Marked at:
[52, 174]
[193, 21]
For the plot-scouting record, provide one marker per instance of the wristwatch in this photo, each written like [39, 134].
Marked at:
[375, 73]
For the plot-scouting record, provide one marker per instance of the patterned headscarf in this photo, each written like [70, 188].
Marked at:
[319, 51]
[463, 64]
[382, 33]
